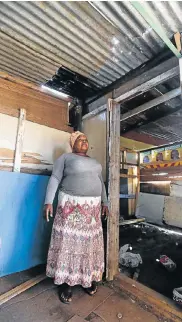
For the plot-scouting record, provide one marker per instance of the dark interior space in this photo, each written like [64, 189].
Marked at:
[151, 242]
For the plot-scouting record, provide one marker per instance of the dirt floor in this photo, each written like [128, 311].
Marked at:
[150, 243]
[41, 304]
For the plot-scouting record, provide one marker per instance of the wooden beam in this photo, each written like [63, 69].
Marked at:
[142, 83]
[95, 112]
[148, 85]
[180, 74]
[177, 37]
[131, 221]
[19, 140]
[21, 288]
[122, 156]
[170, 174]
[156, 101]
[146, 12]
[149, 79]
[131, 176]
[138, 181]
[113, 191]
[154, 302]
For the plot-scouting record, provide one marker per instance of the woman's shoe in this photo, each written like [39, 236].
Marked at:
[92, 290]
[65, 294]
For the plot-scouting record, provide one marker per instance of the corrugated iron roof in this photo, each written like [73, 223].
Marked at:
[163, 121]
[167, 128]
[100, 40]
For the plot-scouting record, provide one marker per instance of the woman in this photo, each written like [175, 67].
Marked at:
[76, 253]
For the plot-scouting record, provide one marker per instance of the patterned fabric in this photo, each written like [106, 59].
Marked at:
[76, 253]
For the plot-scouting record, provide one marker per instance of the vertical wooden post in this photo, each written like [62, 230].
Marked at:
[180, 73]
[113, 123]
[123, 158]
[138, 181]
[19, 140]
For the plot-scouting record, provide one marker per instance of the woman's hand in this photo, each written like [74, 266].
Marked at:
[48, 211]
[105, 211]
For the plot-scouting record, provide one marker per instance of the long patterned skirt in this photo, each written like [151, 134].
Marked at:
[76, 252]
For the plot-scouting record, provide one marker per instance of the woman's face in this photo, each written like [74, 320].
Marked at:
[81, 144]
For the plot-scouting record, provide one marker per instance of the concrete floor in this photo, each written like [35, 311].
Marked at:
[41, 304]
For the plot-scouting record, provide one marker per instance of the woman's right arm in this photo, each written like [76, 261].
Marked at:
[54, 181]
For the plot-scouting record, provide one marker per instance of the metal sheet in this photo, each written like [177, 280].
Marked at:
[150, 207]
[100, 40]
[172, 211]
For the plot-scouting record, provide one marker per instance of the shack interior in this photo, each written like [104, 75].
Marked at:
[113, 70]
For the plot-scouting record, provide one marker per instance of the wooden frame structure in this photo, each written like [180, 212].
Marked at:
[114, 166]
[113, 161]
[19, 140]
[142, 83]
[133, 177]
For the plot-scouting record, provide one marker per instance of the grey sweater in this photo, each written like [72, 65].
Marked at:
[78, 176]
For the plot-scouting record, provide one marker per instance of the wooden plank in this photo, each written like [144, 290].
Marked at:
[180, 74]
[177, 38]
[169, 170]
[150, 78]
[131, 222]
[128, 150]
[138, 181]
[40, 108]
[156, 101]
[142, 83]
[122, 156]
[122, 175]
[95, 112]
[113, 184]
[160, 179]
[96, 101]
[155, 303]
[130, 164]
[145, 87]
[130, 192]
[21, 288]
[19, 141]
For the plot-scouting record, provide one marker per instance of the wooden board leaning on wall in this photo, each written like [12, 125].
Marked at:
[41, 108]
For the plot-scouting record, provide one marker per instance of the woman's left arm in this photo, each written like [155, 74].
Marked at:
[105, 210]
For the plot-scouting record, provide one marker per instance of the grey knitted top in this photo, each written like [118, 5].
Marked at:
[78, 176]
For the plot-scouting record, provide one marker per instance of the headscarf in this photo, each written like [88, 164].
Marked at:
[74, 136]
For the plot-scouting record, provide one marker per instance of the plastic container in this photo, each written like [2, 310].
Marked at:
[167, 263]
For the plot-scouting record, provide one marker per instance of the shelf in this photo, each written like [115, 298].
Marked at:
[123, 175]
[127, 196]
